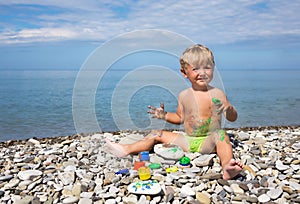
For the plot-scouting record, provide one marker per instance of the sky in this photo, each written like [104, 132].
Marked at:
[60, 35]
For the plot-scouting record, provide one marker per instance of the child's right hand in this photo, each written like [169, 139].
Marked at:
[157, 112]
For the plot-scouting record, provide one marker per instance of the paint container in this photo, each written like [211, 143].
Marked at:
[144, 156]
[123, 172]
[144, 173]
[138, 164]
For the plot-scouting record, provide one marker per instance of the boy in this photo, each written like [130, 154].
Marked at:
[200, 109]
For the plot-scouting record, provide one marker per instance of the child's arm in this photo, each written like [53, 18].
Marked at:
[174, 118]
[170, 117]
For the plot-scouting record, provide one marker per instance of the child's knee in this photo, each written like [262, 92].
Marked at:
[220, 136]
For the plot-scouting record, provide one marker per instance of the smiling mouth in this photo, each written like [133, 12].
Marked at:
[202, 79]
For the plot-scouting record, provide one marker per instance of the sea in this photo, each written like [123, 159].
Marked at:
[39, 103]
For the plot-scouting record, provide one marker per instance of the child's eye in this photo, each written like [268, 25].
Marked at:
[207, 67]
[196, 69]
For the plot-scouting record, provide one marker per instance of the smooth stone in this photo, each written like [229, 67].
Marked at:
[12, 183]
[156, 199]
[67, 177]
[264, 181]
[187, 190]
[96, 137]
[156, 159]
[263, 198]
[228, 189]
[288, 189]
[274, 193]
[204, 160]
[192, 170]
[223, 182]
[221, 193]
[294, 185]
[70, 200]
[131, 199]
[76, 190]
[212, 176]
[183, 181]
[243, 136]
[280, 166]
[201, 187]
[295, 167]
[260, 139]
[29, 174]
[202, 198]
[236, 189]
[296, 146]
[34, 141]
[295, 200]
[2, 193]
[251, 199]
[149, 187]
[110, 201]
[244, 186]
[85, 201]
[172, 152]
[169, 193]
[6, 177]
[86, 194]
[142, 200]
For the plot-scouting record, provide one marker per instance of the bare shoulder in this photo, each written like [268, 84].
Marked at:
[185, 92]
[217, 93]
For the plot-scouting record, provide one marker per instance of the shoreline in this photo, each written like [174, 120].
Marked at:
[244, 128]
[79, 169]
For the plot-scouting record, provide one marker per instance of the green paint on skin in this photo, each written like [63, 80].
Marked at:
[203, 129]
[216, 101]
[222, 137]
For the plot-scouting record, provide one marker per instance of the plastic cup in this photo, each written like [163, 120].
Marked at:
[144, 173]
[144, 156]
[138, 164]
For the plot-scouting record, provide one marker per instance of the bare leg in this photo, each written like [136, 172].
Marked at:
[121, 150]
[230, 167]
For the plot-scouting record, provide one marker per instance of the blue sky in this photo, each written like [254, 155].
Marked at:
[246, 34]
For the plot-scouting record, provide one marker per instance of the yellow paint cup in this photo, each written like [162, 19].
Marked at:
[144, 173]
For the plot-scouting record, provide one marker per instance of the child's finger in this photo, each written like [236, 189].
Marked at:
[162, 105]
[151, 111]
[151, 107]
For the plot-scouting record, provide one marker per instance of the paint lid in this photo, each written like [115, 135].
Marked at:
[154, 166]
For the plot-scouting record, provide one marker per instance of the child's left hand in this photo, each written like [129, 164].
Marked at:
[223, 107]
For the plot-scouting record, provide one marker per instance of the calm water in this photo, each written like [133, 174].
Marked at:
[39, 103]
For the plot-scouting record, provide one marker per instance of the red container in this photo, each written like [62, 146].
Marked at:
[138, 164]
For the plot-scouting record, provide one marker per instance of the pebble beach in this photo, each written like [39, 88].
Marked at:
[79, 169]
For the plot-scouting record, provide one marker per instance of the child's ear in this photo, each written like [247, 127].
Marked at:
[183, 72]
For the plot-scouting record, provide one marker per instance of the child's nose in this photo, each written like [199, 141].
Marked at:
[201, 71]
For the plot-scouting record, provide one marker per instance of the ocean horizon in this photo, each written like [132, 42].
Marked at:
[40, 103]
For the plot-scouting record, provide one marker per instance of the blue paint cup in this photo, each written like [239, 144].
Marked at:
[144, 156]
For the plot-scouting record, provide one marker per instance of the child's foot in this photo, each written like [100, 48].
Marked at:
[116, 149]
[232, 169]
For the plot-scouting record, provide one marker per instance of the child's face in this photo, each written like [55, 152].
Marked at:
[200, 75]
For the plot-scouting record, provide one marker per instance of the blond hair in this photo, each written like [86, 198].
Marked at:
[195, 55]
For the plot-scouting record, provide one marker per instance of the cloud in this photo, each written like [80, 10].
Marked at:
[38, 35]
[217, 21]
